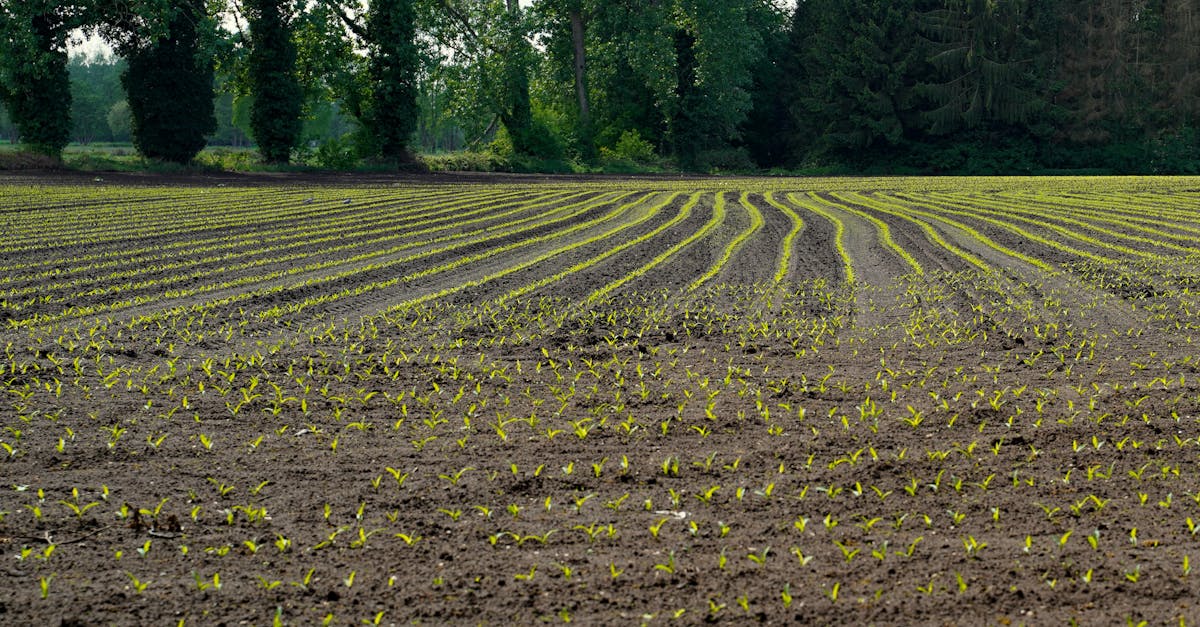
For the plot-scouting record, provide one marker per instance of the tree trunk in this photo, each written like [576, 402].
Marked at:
[585, 114]
[581, 90]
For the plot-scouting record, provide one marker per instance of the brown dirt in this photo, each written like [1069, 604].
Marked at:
[744, 453]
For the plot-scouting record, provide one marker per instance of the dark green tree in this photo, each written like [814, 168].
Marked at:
[380, 89]
[7, 130]
[564, 26]
[689, 130]
[635, 86]
[34, 81]
[174, 64]
[690, 61]
[798, 85]
[988, 66]
[278, 98]
[767, 130]
[515, 62]
[333, 74]
[716, 45]
[390, 112]
[864, 60]
[588, 81]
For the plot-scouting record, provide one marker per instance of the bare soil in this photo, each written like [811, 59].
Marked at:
[959, 448]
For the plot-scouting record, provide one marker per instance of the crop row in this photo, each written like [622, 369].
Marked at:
[83, 266]
[610, 404]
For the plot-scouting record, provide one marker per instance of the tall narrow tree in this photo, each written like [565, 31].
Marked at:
[278, 98]
[564, 26]
[390, 111]
[169, 85]
[865, 61]
[515, 59]
[34, 81]
[985, 55]
[381, 93]
[767, 130]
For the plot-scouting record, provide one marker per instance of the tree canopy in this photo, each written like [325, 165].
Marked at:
[853, 85]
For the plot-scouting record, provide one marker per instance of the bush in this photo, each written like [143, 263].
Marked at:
[101, 161]
[336, 154]
[725, 160]
[620, 166]
[232, 159]
[1178, 153]
[542, 166]
[467, 161]
[629, 147]
[541, 141]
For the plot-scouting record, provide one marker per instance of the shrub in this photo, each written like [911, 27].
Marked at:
[226, 159]
[275, 115]
[467, 161]
[541, 142]
[629, 147]
[725, 160]
[336, 154]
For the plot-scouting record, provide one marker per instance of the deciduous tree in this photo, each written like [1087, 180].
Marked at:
[34, 81]
[169, 84]
[278, 98]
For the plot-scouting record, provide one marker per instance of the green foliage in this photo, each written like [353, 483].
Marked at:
[1177, 153]
[767, 130]
[536, 140]
[863, 62]
[228, 159]
[22, 160]
[979, 153]
[172, 129]
[515, 106]
[7, 130]
[716, 46]
[467, 161]
[336, 154]
[723, 160]
[390, 111]
[490, 79]
[679, 73]
[948, 86]
[630, 147]
[561, 85]
[986, 60]
[232, 112]
[34, 81]
[95, 91]
[622, 103]
[275, 115]
[635, 68]
[120, 121]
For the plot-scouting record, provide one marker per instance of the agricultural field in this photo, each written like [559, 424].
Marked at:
[852, 401]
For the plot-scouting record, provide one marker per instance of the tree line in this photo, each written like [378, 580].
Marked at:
[984, 86]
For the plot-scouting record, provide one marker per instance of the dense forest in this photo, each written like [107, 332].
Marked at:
[912, 86]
